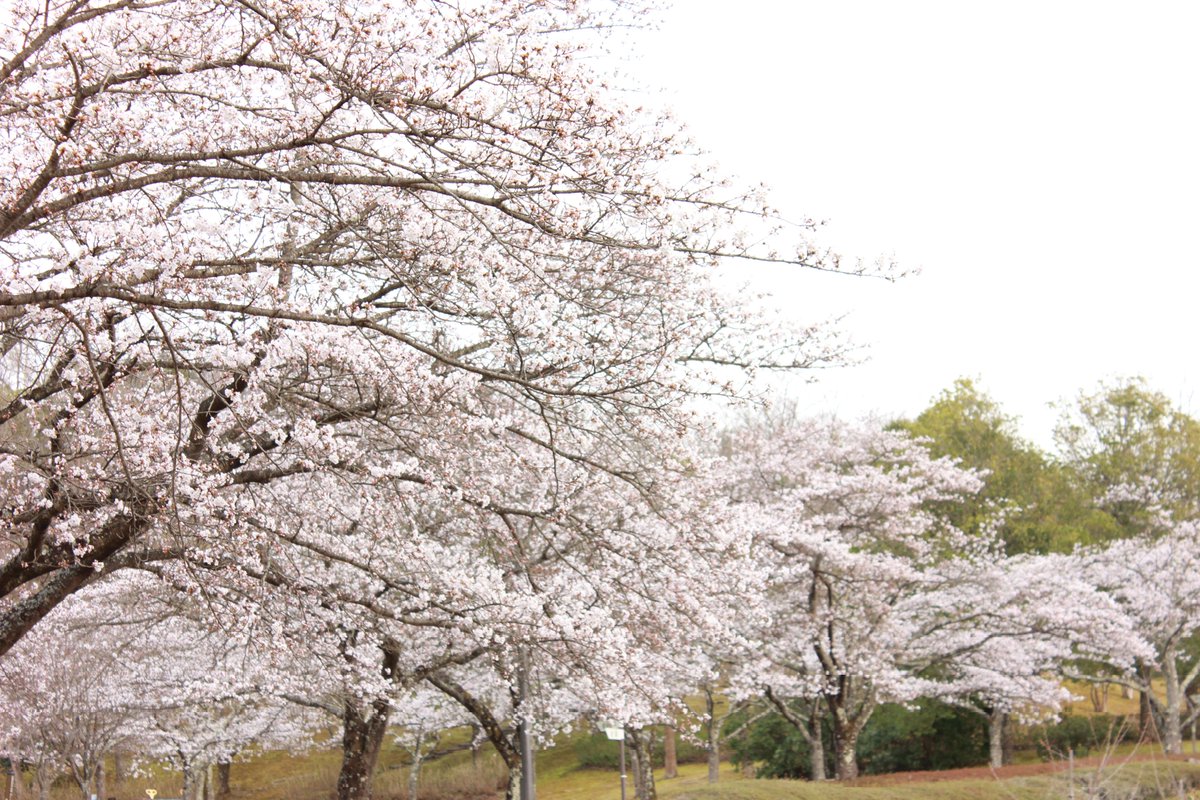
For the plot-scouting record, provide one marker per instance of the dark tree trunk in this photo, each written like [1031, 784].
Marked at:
[42, 778]
[670, 758]
[1146, 723]
[491, 727]
[25, 567]
[362, 735]
[223, 780]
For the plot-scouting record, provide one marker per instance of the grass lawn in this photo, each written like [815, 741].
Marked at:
[311, 775]
[1157, 779]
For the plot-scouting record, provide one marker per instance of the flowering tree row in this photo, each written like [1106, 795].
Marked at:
[348, 353]
[801, 563]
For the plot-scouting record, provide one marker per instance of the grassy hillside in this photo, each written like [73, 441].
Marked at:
[278, 776]
[312, 775]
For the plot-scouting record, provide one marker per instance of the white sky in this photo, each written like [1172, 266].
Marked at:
[1038, 161]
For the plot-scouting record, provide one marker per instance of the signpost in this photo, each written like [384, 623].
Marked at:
[617, 734]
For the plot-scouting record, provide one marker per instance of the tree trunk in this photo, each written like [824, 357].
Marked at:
[414, 775]
[816, 745]
[189, 781]
[1172, 724]
[846, 750]
[19, 617]
[714, 736]
[635, 760]
[811, 727]
[362, 735]
[646, 738]
[1146, 727]
[670, 758]
[223, 780]
[414, 771]
[43, 777]
[101, 781]
[1007, 743]
[16, 780]
[995, 724]
[1098, 692]
[83, 779]
[118, 767]
[848, 725]
[643, 764]
[490, 725]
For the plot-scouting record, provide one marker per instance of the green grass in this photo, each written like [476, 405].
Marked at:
[1154, 779]
[311, 775]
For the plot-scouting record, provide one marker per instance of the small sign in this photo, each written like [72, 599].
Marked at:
[152, 793]
[616, 734]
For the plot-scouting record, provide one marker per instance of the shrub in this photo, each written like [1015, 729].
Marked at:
[932, 736]
[1078, 734]
[597, 751]
[772, 745]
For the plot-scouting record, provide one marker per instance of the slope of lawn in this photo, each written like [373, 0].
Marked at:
[311, 775]
[278, 776]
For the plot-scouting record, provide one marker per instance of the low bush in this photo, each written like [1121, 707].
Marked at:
[897, 738]
[1077, 734]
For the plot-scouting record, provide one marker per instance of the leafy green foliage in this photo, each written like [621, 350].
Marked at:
[773, 746]
[1078, 734]
[897, 738]
[1126, 435]
[1040, 507]
[933, 736]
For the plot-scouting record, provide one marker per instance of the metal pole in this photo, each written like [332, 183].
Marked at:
[524, 739]
[622, 768]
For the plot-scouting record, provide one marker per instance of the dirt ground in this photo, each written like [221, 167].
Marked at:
[1012, 771]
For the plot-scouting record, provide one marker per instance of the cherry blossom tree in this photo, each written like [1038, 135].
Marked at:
[871, 597]
[246, 243]
[839, 516]
[425, 714]
[1004, 631]
[598, 581]
[1156, 583]
[608, 631]
[125, 665]
[364, 321]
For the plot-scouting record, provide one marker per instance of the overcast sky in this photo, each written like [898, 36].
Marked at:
[1038, 161]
